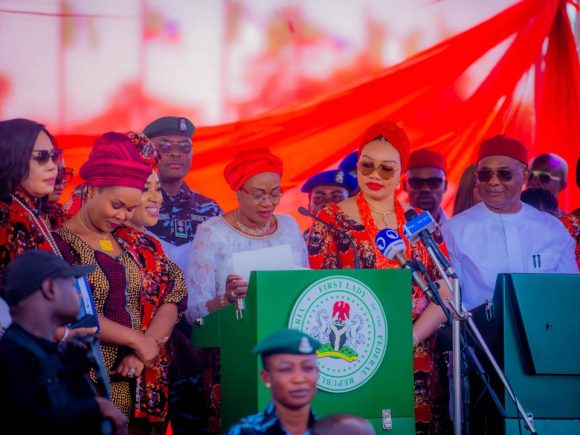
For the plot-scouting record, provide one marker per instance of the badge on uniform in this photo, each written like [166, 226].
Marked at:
[180, 228]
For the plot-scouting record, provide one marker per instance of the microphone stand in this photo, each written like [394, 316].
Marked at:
[459, 316]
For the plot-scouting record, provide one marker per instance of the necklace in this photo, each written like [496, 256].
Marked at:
[41, 226]
[258, 232]
[104, 243]
[383, 215]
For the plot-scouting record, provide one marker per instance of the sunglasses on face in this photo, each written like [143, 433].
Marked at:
[543, 177]
[333, 197]
[417, 183]
[166, 146]
[43, 156]
[484, 175]
[65, 175]
[274, 196]
[385, 171]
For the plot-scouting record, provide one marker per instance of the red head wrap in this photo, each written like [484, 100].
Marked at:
[115, 161]
[394, 134]
[248, 163]
[501, 145]
[426, 158]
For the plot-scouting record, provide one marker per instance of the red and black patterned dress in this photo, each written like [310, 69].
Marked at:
[128, 289]
[329, 249]
[21, 229]
[572, 224]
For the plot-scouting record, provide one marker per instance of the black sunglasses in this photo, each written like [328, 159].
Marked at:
[165, 146]
[43, 156]
[484, 174]
[417, 183]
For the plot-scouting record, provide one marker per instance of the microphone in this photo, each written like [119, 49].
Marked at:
[393, 247]
[420, 226]
[305, 212]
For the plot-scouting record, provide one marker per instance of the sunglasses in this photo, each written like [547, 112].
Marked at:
[543, 177]
[65, 175]
[274, 196]
[43, 156]
[184, 147]
[366, 167]
[417, 183]
[484, 175]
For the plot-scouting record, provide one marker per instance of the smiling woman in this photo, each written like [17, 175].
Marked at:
[138, 292]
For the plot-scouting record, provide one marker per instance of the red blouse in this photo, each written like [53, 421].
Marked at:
[572, 224]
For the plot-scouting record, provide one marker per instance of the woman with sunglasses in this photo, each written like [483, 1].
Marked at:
[28, 171]
[137, 291]
[383, 155]
[52, 210]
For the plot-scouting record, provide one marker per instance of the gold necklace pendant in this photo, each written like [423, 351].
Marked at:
[256, 232]
[105, 244]
[384, 216]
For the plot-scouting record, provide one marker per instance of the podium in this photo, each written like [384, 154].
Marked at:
[363, 319]
[535, 322]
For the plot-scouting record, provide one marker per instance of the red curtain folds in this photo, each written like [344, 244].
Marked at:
[425, 95]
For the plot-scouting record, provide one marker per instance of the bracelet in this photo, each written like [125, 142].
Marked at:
[65, 335]
[415, 340]
[223, 301]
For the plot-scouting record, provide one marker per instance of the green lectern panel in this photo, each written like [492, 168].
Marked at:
[548, 322]
[522, 312]
[362, 316]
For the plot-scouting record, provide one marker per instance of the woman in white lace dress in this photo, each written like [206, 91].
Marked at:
[255, 177]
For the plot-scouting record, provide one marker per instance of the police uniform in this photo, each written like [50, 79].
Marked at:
[283, 341]
[180, 214]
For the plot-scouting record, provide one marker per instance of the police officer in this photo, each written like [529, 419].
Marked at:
[329, 186]
[289, 369]
[44, 386]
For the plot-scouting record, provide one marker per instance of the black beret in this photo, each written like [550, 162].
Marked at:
[169, 126]
[334, 177]
[290, 341]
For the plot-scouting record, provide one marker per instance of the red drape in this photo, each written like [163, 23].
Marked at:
[426, 95]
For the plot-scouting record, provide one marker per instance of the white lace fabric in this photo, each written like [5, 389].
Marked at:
[210, 259]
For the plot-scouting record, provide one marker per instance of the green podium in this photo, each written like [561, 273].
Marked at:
[539, 349]
[363, 319]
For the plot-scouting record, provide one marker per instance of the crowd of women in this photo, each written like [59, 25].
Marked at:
[140, 294]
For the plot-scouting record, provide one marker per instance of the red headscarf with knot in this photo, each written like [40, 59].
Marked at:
[115, 161]
[394, 134]
[248, 163]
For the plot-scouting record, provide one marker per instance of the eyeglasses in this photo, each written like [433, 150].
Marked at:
[543, 177]
[417, 183]
[65, 175]
[366, 167]
[273, 196]
[485, 174]
[166, 146]
[43, 156]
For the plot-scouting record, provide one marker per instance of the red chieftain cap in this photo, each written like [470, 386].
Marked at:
[392, 133]
[502, 145]
[426, 158]
[248, 163]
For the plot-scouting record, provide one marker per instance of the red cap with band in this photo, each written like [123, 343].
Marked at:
[502, 145]
[424, 157]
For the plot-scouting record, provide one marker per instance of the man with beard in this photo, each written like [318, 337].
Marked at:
[425, 182]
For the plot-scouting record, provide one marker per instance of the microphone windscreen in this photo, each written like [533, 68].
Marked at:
[410, 214]
[389, 243]
[303, 211]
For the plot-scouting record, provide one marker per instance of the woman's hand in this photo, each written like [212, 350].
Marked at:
[236, 287]
[129, 367]
[146, 348]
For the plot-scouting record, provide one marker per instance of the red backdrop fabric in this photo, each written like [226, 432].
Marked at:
[426, 95]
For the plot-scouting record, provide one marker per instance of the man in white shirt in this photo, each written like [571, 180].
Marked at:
[501, 234]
